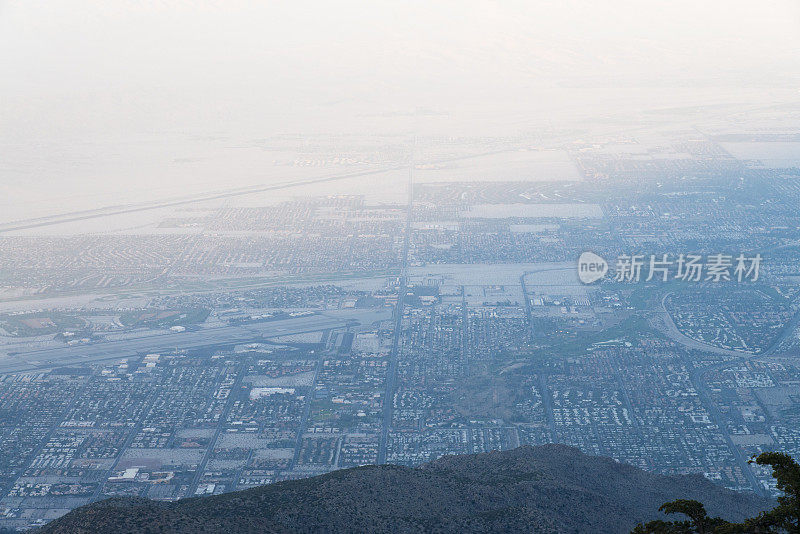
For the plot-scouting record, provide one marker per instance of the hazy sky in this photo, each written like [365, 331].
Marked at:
[114, 80]
[151, 64]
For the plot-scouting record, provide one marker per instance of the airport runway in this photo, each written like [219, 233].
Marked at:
[227, 335]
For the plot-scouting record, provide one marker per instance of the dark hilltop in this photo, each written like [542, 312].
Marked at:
[551, 488]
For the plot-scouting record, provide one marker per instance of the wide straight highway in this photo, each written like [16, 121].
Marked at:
[225, 335]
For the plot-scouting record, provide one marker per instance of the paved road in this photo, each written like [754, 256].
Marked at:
[147, 206]
[391, 373]
[662, 320]
[226, 335]
[106, 211]
[698, 375]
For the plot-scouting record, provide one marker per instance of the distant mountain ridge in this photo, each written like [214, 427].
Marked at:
[550, 488]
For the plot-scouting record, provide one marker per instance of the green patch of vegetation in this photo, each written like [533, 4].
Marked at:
[488, 396]
[631, 330]
[38, 324]
[158, 318]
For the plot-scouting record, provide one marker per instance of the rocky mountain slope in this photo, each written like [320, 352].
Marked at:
[551, 488]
